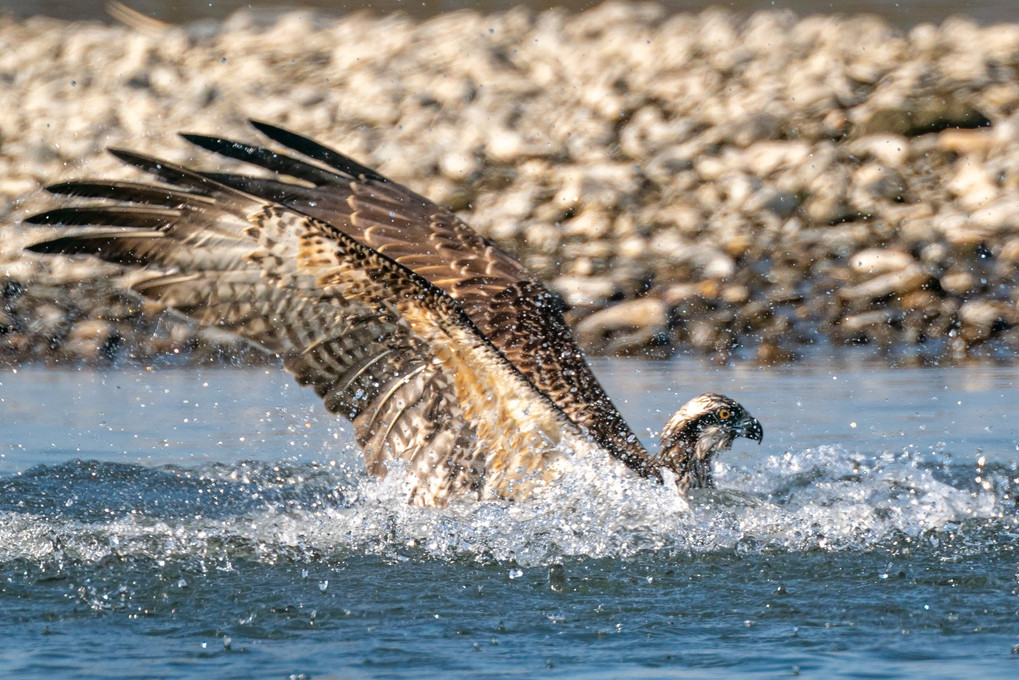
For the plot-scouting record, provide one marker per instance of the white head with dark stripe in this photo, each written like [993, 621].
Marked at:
[704, 426]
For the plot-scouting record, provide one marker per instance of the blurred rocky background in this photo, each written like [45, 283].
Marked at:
[749, 186]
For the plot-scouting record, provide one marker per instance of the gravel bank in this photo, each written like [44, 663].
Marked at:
[764, 187]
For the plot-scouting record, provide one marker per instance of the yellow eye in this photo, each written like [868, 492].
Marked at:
[724, 414]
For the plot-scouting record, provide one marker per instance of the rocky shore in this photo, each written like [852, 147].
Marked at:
[762, 187]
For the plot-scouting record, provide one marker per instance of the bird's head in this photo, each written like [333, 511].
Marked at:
[704, 426]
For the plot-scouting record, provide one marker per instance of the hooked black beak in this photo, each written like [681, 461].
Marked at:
[751, 429]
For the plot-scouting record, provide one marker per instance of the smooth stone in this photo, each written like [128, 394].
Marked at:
[887, 149]
[983, 314]
[585, 291]
[880, 260]
[925, 113]
[909, 279]
[966, 142]
[957, 282]
[642, 320]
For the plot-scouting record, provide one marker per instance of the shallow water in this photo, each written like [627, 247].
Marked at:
[902, 13]
[175, 523]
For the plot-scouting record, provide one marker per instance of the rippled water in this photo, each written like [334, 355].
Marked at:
[174, 523]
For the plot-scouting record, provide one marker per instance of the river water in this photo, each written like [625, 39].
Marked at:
[174, 523]
[903, 13]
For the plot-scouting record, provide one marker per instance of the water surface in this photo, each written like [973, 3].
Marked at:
[175, 523]
[902, 13]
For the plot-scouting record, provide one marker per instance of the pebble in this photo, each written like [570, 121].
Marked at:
[745, 186]
[957, 283]
[887, 149]
[967, 142]
[880, 260]
[625, 328]
[586, 291]
[980, 317]
[906, 280]
[91, 339]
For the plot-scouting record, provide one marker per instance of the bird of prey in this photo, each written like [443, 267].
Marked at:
[442, 349]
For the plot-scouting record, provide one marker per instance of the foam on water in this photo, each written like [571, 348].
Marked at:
[821, 499]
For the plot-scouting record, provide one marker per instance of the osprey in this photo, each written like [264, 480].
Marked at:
[440, 348]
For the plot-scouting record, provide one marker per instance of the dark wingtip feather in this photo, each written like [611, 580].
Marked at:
[313, 149]
[131, 192]
[43, 247]
[67, 245]
[276, 133]
[144, 217]
[42, 218]
[265, 158]
[112, 247]
[195, 138]
[156, 166]
[63, 188]
[267, 129]
[218, 145]
[172, 173]
[147, 163]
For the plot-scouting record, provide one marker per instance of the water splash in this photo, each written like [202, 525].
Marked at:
[823, 499]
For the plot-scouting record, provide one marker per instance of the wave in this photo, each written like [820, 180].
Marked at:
[821, 499]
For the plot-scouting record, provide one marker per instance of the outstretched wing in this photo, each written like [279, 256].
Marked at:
[380, 345]
[509, 306]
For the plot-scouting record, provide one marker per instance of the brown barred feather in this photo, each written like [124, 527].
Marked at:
[442, 349]
[502, 298]
[379, 344]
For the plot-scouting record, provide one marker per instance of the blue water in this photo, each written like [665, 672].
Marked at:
[215, 523]
[902, 13]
